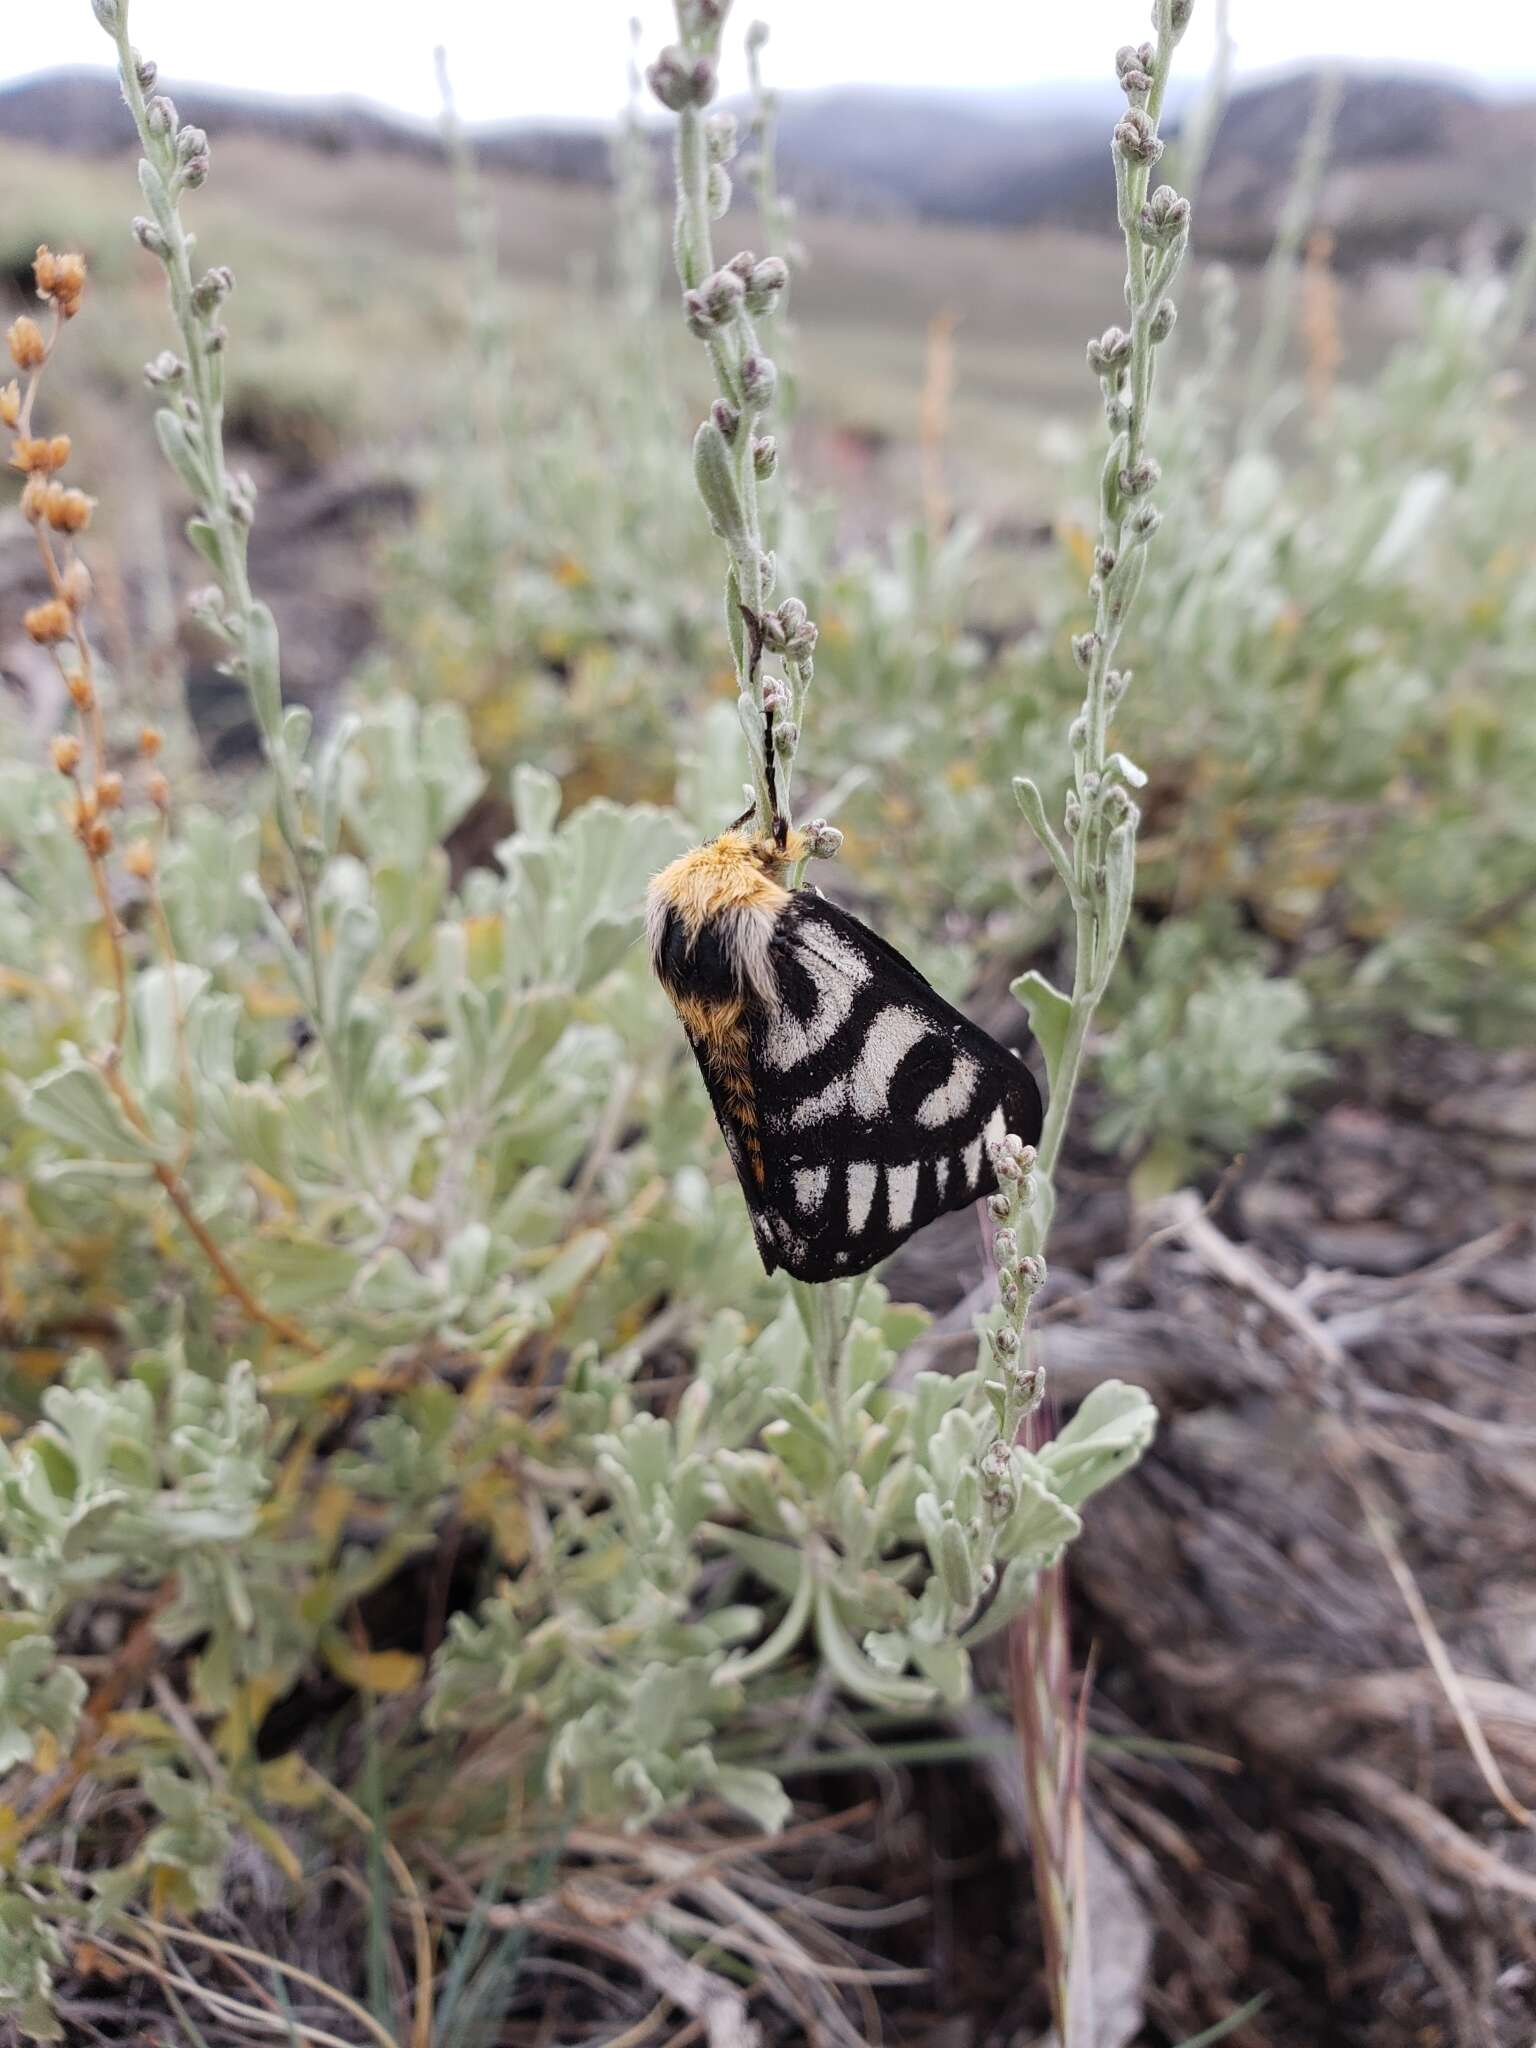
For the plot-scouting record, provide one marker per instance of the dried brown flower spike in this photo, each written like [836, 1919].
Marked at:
[60, 280]
[25, 340]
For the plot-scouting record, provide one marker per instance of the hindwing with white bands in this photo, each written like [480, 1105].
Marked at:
[874, 1098]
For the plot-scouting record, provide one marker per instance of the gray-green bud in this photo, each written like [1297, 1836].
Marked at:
[680, 80]
[1109, 352]
[720, 137]
[242, 496]
[721, 295]
[149, 237]
[1165, 214]
[765, 457]
[759, 380]
[822, 841]
[1136, 482]
[767, 281]
[1136, 139]
[213, 288]
[160, 115]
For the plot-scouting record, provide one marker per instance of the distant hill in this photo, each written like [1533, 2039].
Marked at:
[1418, 164]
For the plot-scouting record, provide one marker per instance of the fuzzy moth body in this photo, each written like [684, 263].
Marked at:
[856, 1104]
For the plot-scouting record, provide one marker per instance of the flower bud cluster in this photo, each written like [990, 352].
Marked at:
[732, 454]
[1020, 1277]
[680, 79]
[1136, 137]
[790, 630]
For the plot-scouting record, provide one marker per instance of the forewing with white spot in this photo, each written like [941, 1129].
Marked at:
[876, 1098]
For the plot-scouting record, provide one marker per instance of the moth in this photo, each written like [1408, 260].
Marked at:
[855, 1103]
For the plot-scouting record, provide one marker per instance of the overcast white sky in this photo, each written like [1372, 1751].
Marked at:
[514, 58]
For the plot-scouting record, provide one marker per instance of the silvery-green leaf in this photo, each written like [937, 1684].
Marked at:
[328, 780]
[354, 941]
[161, 997]
[390, 1285]
[757, 1794]
[38, 1695]
[889, 1650]
[1109, 1432]
[606, 942]
[297, 729]
[180, 451]
[206, 540]
[153, 186]
[956, 1567]
[1119, 889]
[263, 669]
[1015, 1590]
[1040, 1523]
[75, 1104]
[856, 1527]
[1413, 514]
[855, 1672]
[947, 1666]
[575, 1263]
[709, 764]
[715, 475]
[535, 800]
[468, 1254]
[1050, 1013]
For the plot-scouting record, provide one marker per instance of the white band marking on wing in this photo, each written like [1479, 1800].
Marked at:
[837, 973]
[901, 1195]
[952, 1097]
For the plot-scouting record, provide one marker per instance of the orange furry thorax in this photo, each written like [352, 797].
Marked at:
[736, 871]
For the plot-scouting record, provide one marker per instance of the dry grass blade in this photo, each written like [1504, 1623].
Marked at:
[1441, 1839]
[219, 2000]
[708, 1998]
[1439, 1657]
[1231, 1262]
[421, 2024]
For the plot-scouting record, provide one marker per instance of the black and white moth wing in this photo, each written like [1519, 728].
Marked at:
[875, 1098]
